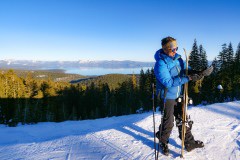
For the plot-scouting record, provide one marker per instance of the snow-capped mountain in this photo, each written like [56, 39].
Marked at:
[33, 64]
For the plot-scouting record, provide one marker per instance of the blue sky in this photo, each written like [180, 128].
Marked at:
[113, 29]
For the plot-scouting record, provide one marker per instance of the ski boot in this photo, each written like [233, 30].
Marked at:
[194, 144]
[165, 149]
[164, 146]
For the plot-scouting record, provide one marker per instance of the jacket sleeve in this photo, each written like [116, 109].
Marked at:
[164, 77]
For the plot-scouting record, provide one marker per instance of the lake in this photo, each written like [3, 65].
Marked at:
[102, 71]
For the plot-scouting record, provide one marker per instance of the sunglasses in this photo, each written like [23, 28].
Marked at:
[174, 49]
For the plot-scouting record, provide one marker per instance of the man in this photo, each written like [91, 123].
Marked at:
[169, 70]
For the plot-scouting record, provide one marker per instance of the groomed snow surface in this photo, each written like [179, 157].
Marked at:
[125, 137]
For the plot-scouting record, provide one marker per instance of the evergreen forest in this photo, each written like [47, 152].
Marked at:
[28, 100]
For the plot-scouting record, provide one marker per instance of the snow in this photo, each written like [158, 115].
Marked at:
[124, 137]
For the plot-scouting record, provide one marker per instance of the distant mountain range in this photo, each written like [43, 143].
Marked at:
[32, 64]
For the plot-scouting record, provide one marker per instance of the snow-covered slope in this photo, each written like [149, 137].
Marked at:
[125, 137]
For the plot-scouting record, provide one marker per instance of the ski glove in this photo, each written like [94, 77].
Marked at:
[195, 77]
[207, 71]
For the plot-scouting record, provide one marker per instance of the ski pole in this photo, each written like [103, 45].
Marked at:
[154, 131]
[161, 126]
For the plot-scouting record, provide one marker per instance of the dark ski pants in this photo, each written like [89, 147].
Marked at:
[174, 109]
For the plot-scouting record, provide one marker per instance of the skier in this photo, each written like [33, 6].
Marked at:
[170, 75]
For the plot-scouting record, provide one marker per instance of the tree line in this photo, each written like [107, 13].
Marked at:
[28, 100]
[226, 73]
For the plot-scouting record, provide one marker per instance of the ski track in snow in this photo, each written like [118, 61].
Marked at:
[124, 138]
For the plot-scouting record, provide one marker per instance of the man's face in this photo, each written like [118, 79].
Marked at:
[171, 48]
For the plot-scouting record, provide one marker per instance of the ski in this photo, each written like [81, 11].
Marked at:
[184, 106]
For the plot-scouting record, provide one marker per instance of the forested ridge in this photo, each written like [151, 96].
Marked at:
[54, 74]
[27, 99]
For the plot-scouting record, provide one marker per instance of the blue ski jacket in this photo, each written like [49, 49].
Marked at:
[170, 74]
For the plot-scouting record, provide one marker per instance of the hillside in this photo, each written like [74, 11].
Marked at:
[55, 74]
[113, 80]
[124, 137]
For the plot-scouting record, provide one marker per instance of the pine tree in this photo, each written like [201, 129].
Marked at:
[196, 64]
[237, 60]
[142, 80]
[153, 78]
[2, 89]
[236, 72]
[203, 58]
[216, 65]
[194, 59]
[230, 55]
[134, 80]
[226, 73]
[222, 57]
